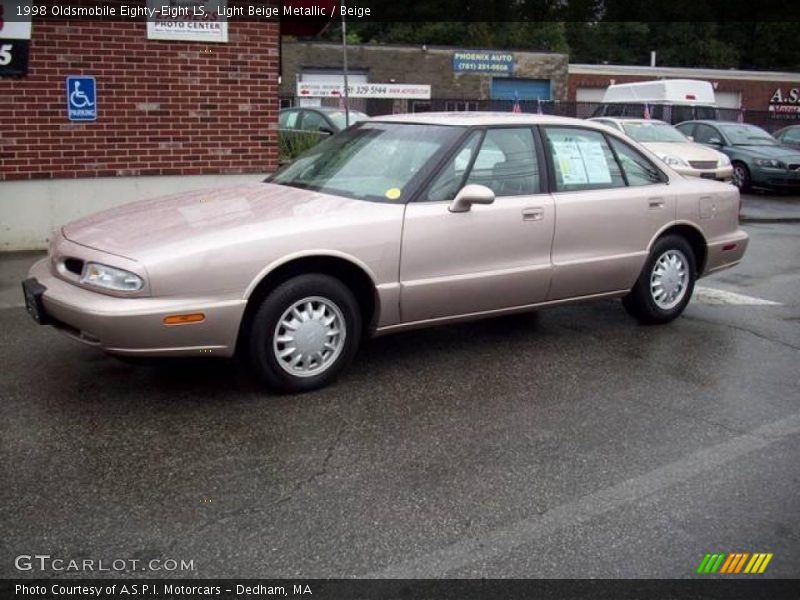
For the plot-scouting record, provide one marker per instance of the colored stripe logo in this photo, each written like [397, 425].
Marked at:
[734, 563]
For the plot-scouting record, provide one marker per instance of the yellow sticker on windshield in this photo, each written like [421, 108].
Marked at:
[393, 193]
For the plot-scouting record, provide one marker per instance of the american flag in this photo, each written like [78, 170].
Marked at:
[740, 117]
[646, 111]
[516, 108]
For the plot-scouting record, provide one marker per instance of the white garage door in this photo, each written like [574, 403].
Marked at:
[728, 99]
[587, 94]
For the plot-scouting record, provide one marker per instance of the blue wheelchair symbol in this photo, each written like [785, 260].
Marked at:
[81, 98]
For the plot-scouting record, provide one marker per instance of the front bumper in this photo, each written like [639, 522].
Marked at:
[775, 178]
[134, 326]
[718, 174]
[726, 252]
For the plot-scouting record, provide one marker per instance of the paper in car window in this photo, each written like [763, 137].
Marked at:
[581, 162]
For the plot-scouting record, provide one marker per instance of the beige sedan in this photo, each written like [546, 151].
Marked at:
[399, 222]
[670, 145]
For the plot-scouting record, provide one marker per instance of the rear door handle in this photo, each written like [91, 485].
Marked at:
[655, 203]
[533, 214]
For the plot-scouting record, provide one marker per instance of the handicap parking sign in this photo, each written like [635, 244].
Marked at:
[81, 98]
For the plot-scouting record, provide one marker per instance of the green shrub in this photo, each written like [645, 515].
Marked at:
[292, 143]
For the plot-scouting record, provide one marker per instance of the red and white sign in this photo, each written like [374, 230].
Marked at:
[409, 91]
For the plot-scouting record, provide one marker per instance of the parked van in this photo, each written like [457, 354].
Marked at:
[670, 100]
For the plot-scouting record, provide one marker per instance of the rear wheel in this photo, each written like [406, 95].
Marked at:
[741, 176]
[665, 284]
[304, 333]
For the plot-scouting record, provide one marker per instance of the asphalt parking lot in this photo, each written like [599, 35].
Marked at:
[569, 442]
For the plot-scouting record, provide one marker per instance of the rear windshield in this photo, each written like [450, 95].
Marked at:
[652, 131]
[372, 161]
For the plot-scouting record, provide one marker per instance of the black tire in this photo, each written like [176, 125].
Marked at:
[641, 303]
[263, 347]
[741, 176]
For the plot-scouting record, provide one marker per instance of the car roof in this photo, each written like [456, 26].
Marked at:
[472, 119]
[626, 120]
[715, 122]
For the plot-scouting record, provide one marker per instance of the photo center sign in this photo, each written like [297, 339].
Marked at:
[177, 20]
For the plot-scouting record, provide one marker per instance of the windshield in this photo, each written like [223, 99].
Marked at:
[653, 131]
[373, 161]
[338, 118]
[747, 135]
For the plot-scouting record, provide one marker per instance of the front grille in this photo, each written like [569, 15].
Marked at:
[74, 265]
[703, 164]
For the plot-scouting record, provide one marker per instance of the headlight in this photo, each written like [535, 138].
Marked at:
[111, 278]
[674, 161]
[724, 161]
[769, 162]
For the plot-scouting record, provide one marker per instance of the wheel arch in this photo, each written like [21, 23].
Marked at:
[353, 273]
[692, 234]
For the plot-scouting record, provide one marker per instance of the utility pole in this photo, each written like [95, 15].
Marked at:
[344, 55]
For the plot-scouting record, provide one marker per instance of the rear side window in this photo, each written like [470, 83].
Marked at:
[506, 163]
[703, 134]
[582, 160]
[638, 170]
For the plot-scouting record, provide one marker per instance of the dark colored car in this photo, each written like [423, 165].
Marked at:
[789, 136]
[758, 159]
[318, 119]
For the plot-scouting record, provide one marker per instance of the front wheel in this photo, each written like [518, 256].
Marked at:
[304, 333]
[741, 177]
[665, 284]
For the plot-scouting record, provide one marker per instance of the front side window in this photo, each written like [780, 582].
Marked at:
[312, 121]
[506, 163]
[450, 178]
[705, 134]
[790, 136]
[371, 161]
[288, 119]
[582, 160]
[638, 170]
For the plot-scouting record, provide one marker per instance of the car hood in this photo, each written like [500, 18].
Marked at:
[686, 151]
[777, 152]
[203, 218]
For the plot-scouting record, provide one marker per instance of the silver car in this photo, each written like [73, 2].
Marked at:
[399, 222]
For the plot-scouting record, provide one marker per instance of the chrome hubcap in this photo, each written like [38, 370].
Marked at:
[309, 336]
[669, 279]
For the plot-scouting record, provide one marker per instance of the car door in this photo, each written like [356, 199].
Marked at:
[490, 257]
[610, 201]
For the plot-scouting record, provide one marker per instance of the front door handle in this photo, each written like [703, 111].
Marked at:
[655, 203]
[533, 214]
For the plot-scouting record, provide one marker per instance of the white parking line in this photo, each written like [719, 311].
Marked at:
[707, 295]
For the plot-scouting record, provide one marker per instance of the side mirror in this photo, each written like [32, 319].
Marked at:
[690, 138]
[469, 195]
[715, 141]
[326, 130]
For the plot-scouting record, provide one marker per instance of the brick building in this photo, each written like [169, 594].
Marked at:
[171, 115]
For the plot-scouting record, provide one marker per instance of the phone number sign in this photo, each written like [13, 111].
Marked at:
[477, 61]
[308, 89]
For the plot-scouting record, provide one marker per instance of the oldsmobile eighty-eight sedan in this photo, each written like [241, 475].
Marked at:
[395, 223]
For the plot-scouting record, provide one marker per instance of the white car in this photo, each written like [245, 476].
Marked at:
[670, 145]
